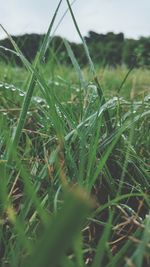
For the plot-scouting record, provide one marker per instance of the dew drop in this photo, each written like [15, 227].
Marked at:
[56, 83]
[21, 94]
[39, 100]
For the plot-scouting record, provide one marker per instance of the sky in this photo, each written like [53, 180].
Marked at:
[33, 16]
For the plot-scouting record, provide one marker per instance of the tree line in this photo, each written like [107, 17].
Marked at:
[105, 49]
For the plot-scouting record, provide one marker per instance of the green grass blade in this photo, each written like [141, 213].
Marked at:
[99, 88]
[27, 99]
[138, 255]
[74, 62]
[102, 245]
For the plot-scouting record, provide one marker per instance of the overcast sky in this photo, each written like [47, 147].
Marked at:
[27, 16]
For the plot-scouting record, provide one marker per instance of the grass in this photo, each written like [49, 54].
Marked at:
[74, 163]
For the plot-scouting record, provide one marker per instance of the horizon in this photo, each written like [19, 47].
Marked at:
[78, 41]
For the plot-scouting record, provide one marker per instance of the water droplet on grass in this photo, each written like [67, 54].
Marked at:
[21, 94]
[57, 84]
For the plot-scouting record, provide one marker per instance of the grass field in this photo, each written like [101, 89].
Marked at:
[74, 164]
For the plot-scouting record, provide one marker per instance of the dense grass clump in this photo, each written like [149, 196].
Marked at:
[74, 164]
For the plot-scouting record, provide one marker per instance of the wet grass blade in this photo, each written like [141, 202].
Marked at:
[74, 62]
[32, 82]
[92, 68]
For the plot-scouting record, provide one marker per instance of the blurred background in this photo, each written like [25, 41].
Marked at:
[117, 32]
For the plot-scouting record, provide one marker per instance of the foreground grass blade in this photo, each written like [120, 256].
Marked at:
[99, 88]
[81, 37]
[27, 99]
[102, 245]
[74, 62]
[125, 78]
[138, 255]
[61, 231]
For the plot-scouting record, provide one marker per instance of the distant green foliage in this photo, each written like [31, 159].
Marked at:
[106, 49]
